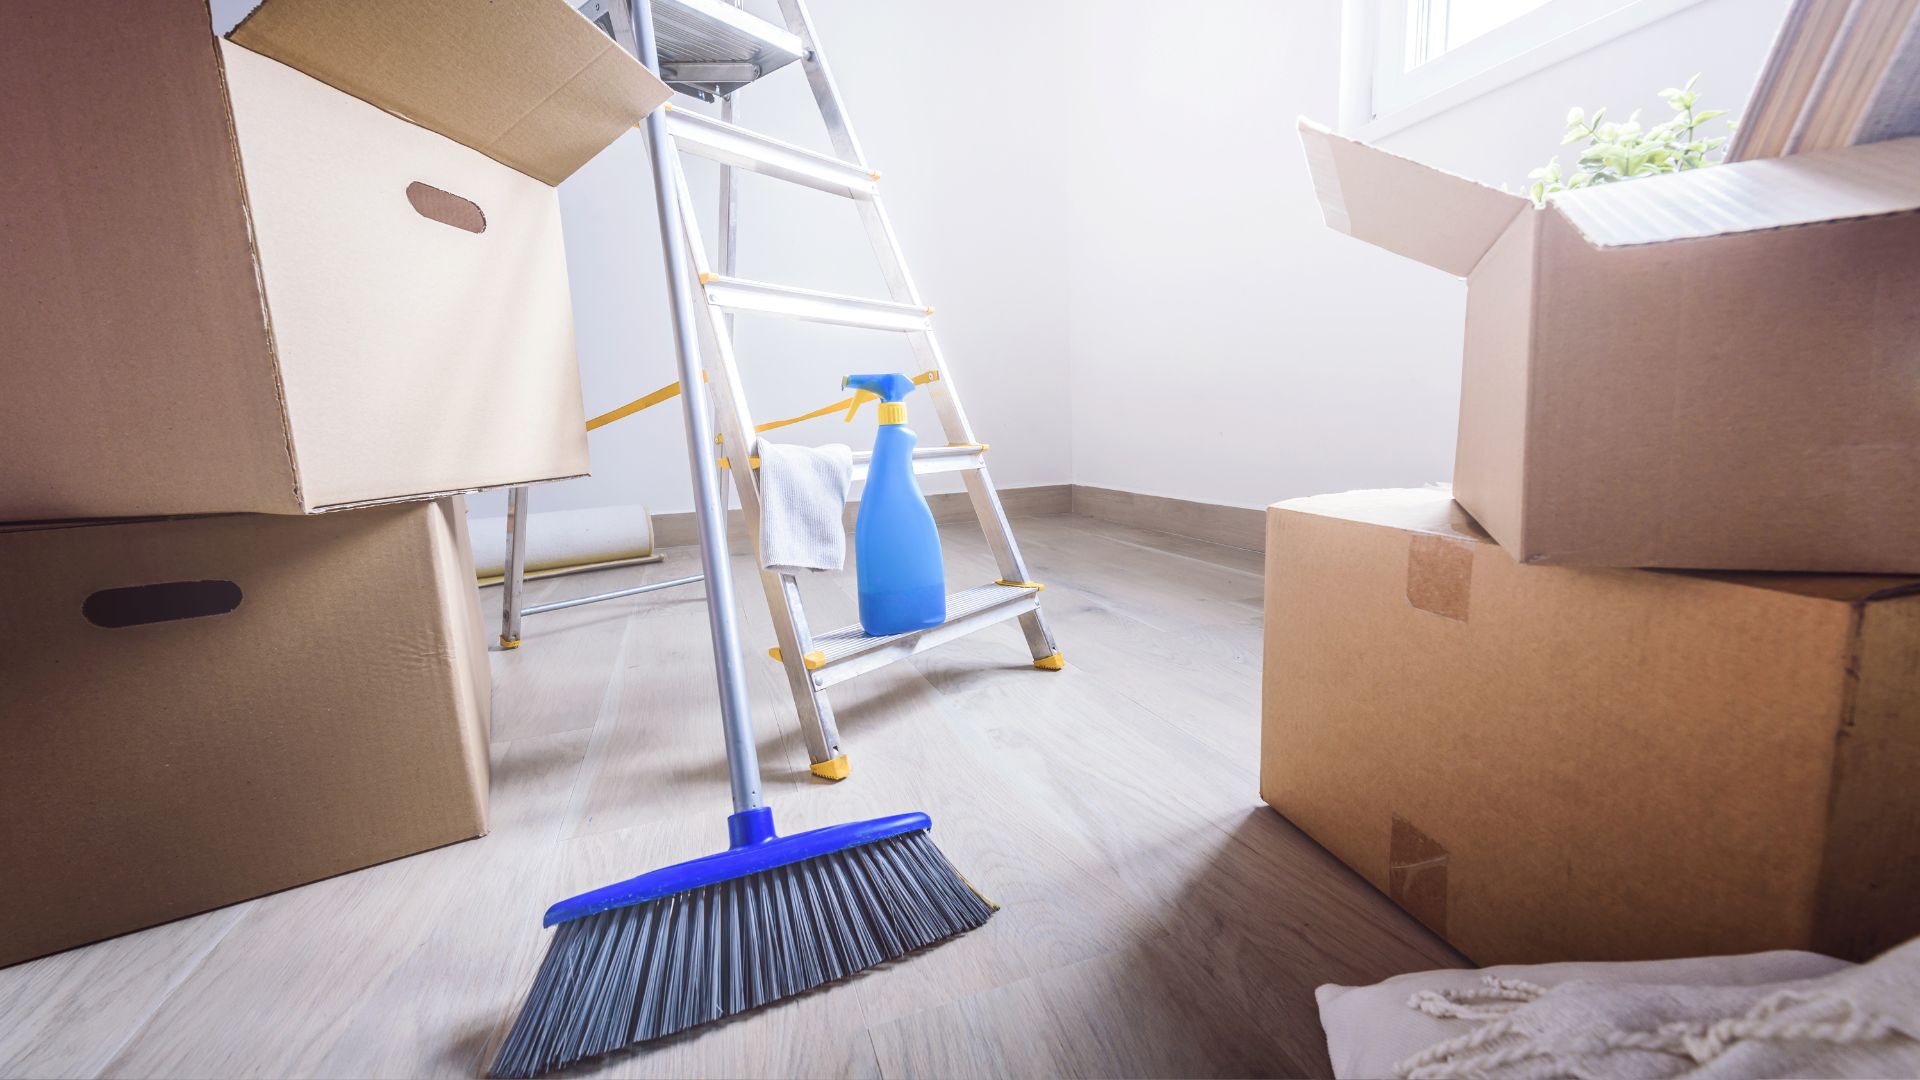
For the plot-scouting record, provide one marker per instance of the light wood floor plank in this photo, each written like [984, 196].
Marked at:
[1156, 919]
[532, 695]
[308, 971]
[66, 1015]
[464, 977]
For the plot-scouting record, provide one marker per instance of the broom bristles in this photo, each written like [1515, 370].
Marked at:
[640, 972]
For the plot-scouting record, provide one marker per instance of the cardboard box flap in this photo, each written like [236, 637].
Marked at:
[1445, 221]
[531, 83]
[1428, 510]
[1750, 196]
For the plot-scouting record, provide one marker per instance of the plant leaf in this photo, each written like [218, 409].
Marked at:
[1624, 150]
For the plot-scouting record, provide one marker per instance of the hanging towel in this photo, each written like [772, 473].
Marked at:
[803, 503]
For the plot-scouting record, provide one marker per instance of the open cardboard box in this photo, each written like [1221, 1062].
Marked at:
[1718, 368]
[1550, 763]
[208, 709]
[315, 267]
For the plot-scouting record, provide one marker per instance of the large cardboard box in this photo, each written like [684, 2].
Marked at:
[1556, 763]
[317, 271]
[1711, 369]
[201, 710]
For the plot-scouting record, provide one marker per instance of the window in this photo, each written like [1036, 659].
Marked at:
[1435, 27]
[1409, 59]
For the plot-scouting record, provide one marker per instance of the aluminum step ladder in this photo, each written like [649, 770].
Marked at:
[711, 49]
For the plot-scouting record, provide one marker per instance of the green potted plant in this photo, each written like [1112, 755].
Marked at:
[1627, 151]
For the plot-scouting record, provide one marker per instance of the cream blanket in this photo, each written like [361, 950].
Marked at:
[1861, 1021]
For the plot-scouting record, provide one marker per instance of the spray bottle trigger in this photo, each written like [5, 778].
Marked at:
[860, 397]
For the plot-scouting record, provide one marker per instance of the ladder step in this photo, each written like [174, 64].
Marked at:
[733, 145]
[929, 459]
[736, 294]
[848, 651]
[710, 47]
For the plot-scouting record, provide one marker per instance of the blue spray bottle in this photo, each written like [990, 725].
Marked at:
[903, 584]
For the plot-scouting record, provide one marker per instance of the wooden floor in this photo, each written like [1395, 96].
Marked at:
[1157, 919]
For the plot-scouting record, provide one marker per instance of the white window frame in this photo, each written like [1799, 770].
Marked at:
[1379, 96]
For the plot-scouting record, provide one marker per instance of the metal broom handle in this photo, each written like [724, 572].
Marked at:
[743, 761]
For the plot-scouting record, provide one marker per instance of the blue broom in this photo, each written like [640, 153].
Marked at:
[767, 919]
[771, 916]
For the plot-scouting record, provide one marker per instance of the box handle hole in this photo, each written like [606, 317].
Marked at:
[166, 601]
[446, 208]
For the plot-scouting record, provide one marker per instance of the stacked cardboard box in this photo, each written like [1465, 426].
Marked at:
[313, 268]
[1559, 763]
[1546, 755]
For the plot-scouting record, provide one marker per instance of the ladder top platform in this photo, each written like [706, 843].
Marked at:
[710, 47]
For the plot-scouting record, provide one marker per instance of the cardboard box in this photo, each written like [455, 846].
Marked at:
[1556, 763]
[1710, 369]
[320, 271]
[201, 710]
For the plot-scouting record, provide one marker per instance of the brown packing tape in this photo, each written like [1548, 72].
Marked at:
[1417, 874]
[1440, 575]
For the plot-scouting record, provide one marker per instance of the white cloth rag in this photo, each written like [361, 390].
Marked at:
[803, 505]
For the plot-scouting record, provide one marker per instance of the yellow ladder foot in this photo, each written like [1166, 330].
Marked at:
[1051, 663]
[837, 769]
[509, 643]
[812, 661]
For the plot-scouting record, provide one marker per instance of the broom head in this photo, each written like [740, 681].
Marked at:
[768, 918]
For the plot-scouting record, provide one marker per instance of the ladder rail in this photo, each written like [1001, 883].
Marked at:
[514, 568]
[513, 573]
[790, 627]
[743, 768]
[729, 256]
[879, 227]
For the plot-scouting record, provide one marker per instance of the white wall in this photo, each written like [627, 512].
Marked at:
[1225, 345]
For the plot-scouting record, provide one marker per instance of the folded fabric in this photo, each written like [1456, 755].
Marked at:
[1772, 1014]
[803, 504]
[1370, 1029]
